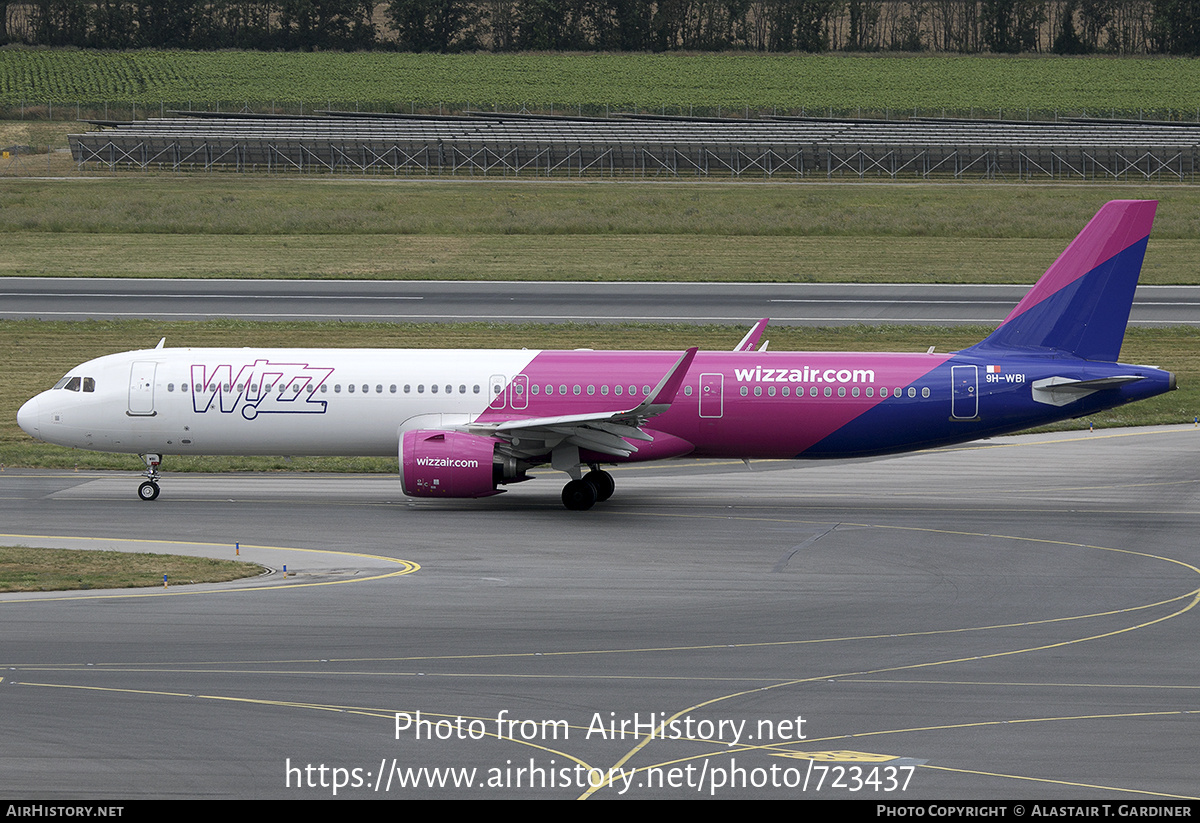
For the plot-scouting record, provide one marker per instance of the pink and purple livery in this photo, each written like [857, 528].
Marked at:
[466, 423]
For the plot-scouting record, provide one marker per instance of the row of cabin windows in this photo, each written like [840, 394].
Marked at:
[73, 384]
[577, 389]
[76, 384]
[352, 388]
[420, 389]
[841, 391]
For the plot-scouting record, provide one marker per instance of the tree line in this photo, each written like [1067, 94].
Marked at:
[965, 26]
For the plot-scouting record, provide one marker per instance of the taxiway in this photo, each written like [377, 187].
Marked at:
[1010, 619]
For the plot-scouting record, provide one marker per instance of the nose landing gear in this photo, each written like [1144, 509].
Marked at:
[149, 489]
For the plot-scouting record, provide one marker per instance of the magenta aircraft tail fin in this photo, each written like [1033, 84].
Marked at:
[1080, 306]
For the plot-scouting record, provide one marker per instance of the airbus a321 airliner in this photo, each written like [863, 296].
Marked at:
[465, 423]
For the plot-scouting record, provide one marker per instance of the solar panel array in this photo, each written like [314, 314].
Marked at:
[647, 146]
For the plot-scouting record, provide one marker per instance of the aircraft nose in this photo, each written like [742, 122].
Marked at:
[27, 417]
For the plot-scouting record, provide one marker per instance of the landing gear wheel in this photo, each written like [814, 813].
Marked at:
[148, 491]
[579, 495]
[604, 483]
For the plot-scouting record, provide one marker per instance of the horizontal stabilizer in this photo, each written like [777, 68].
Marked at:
[1059, 391]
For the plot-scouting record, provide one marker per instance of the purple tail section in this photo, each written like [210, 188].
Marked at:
[1080, 306]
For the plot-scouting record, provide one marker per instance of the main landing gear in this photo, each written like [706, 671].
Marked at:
[149, 489]
[594, 487]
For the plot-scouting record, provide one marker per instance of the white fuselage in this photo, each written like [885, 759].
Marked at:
[267, 401]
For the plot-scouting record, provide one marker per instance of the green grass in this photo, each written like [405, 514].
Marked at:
[671, 83]
[225, 226]
[246, 205]
[24, 569]
[38, 353]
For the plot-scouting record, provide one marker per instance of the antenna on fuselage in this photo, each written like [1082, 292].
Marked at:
[160, 343]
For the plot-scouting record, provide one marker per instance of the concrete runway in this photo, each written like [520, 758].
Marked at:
[1013, 619]
[802, 304]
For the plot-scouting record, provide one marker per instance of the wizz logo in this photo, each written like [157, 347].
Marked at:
[261, 388]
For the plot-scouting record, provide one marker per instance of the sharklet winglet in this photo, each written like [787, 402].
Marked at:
[751, 339]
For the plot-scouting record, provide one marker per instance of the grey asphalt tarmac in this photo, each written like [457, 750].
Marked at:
[1012, 619]
[817, 304]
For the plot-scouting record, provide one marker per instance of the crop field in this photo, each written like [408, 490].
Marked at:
[730, 84]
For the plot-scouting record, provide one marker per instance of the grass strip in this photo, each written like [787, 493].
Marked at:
[620, 258]
[24, 569]
[256, 227]
[232, 204]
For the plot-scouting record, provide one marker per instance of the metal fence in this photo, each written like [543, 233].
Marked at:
[645, 146]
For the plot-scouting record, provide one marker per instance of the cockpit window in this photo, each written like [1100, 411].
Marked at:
[70, 383]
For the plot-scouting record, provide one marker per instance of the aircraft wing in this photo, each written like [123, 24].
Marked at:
[606, 432]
